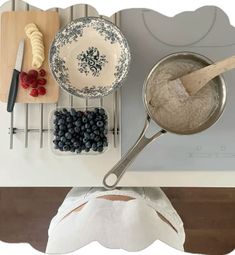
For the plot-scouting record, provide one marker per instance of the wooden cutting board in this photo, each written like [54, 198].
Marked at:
[12, 31]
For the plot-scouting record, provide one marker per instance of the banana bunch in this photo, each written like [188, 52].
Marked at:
[36, 40]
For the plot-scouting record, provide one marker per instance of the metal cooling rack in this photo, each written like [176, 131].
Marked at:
[84, 11]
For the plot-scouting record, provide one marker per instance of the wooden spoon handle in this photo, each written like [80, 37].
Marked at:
[194, 81]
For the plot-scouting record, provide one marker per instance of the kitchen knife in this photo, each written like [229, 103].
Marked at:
[15, 77]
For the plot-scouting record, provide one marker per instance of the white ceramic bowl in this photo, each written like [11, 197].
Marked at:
[89, 57]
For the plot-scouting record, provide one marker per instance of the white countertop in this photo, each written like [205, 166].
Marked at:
[40, 167]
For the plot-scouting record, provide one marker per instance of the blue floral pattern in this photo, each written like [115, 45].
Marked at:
[91, 61]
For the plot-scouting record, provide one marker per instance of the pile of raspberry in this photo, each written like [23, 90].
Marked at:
[35, 81]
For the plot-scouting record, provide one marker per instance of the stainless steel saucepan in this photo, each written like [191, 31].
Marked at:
[112, 178]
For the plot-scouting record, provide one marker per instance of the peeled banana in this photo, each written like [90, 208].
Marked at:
[36, 40]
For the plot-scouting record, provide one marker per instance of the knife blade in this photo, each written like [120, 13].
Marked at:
[15, 77]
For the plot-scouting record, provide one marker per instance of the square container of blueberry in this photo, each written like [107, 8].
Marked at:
[79, 131]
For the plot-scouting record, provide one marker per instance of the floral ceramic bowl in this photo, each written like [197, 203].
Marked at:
[89, 57]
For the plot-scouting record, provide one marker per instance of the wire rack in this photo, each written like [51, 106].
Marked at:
[72, 12]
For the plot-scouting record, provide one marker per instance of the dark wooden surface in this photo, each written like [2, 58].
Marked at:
[208, 215]
[209, 218]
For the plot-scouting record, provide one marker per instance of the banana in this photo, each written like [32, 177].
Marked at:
[36, 40]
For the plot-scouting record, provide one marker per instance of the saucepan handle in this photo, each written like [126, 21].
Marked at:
[119, 169]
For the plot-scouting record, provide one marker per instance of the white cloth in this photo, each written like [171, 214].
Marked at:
[131, 225]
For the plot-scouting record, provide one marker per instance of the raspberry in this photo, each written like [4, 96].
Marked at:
[42, 72]
[24, 78]
[33, 73]
[34, 93]
[42, 91]
[34, 84]
[24, 85]
[22, 75]
[29, 79]
[41, 81]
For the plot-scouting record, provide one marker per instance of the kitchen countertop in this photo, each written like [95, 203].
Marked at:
[40, 167]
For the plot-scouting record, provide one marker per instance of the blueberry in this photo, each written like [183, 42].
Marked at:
[69, 119]
[73, 140]
[70, 125]
[88, 144]
[84, 119]
[98, 118]
[94, 127]
[82, 128]
[77, 129]
[100, 123]
[85, 140]
[63, 139]
[87, 125]
[61, 133]
[75, 118]
[76, 144]
[61, 121]
[96, 132]
[87, 149]
[92, 122]
[87, 135]
[68, 135]
[100, 149]
[94, 148]
[64, 110]
[57, 113]
[73, 112]
[94, 145]
[79, 114]
[55, 121]
[92, 136]
[96, 110]
[56, 147]
[62, 127]
[89, 116]
[78, 123]
[78, 150]
[60, 144]
[72, 149]
[97, 138]
[105, 144]
[66, 148]
[99, 144]
[71, 131]
[101, 111]
[88, 130]
[83, 147]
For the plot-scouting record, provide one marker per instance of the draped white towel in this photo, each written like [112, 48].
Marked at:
[131, 225]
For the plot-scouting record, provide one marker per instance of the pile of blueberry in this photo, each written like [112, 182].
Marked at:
[78, 131]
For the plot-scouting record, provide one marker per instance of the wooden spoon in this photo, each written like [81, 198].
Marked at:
[196, 80]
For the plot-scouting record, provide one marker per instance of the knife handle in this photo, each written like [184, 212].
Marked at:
[13, 90]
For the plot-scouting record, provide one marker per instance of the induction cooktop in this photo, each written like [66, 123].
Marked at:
[152, 36]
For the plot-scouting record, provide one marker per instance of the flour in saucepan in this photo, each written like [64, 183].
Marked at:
[171, 106]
